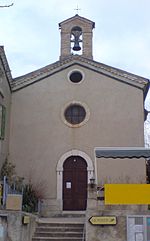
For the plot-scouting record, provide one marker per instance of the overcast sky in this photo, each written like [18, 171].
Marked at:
[30, 34]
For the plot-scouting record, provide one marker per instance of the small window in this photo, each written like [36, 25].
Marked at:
[138, 220]
[2, 121]
[75, 114]
[76, 77]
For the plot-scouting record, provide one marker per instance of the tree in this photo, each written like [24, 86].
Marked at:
[6, 6]
[147, 131]
[8, 170]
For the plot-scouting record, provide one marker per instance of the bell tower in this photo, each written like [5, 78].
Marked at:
[76, 37]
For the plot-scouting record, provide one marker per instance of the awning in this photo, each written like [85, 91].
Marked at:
[122, 152]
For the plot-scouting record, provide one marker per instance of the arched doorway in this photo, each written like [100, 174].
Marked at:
[74, 183]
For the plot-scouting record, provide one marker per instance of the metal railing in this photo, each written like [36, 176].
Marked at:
[7, 189]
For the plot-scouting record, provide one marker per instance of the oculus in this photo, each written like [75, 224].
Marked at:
[75, 114]
[76, 76]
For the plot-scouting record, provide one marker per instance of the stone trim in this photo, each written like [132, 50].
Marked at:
[90, 169]
[77, 17]
[74, 70]
[5, 64]
[78, 103]
[128, 78]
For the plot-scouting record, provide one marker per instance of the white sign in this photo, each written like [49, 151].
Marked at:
[138, 228]
[139, 237]
[68, 185]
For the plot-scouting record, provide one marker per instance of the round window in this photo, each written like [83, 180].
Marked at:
[75, 114]
[76, 76]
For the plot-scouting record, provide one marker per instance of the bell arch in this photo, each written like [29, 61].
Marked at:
[76, 40]
[90, 169]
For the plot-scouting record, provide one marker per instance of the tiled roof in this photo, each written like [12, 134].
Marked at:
[77, 17]
[25, 80]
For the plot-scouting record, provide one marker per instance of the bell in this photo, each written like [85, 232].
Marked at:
[76, 33]
[76, 46]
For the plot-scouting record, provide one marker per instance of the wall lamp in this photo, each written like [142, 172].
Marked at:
[92, 182]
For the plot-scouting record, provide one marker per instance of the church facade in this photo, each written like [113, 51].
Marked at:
[57, 116]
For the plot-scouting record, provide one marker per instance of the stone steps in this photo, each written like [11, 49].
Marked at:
[58, 234]
[56, 239]
[59, 230]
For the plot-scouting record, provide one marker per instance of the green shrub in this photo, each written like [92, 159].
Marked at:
[30, 199]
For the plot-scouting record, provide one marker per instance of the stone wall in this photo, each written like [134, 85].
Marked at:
[109, 232]
[12, 227]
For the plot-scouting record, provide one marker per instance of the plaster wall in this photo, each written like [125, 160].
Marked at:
[5, 100]
[121, 170]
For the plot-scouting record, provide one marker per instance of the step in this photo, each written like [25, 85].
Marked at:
[59, 229]
[58, 234]
[56, 239]
[67, 214]
[57, 224]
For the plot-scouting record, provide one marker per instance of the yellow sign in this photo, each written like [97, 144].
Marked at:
[14, 202]
[26, 219]
[127, 194]
[103, 220]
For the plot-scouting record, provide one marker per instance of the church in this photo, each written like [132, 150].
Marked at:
[53, 119]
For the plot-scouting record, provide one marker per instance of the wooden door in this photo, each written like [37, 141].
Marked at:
[74, 184]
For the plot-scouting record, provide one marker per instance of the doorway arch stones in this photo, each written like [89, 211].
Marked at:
[90, 168]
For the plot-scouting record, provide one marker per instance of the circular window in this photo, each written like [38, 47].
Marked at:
[75, 114]
[76, 76]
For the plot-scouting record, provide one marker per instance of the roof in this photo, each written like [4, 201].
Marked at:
[5, 65]
[120, 75]
[122, 152]
[77, 17]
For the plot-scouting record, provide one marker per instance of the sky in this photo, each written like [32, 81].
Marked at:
[31, 37]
